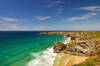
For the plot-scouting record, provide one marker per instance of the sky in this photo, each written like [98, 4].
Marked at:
[49, 15]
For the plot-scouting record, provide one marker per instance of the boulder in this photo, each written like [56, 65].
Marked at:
[58, 47]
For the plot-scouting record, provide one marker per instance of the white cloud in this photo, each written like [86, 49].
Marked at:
[6, 19]
[58, 4]
[43, 18]
[79, 27]
[89, 15]
[91, 8]
[14, 27]
[10, 19]
[53, 4]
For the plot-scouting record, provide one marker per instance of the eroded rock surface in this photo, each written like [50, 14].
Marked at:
[58, 47]
[81, 45]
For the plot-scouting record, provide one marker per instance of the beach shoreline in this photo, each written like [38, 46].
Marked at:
[77, 52]
[68, 60]
[63, 59]
[46, 59]
[48, 55]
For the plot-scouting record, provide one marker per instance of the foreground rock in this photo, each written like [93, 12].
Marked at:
[81, 49]
[58, 47]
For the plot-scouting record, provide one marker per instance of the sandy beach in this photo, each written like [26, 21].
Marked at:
[68, 60]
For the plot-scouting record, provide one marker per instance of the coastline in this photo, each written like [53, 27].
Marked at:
[62, 59]
[88, 40]
[47, 59]
[68, 60]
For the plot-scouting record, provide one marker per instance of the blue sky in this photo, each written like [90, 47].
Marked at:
[56, 15]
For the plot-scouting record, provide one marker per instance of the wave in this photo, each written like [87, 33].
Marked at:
[67, 40]
[45, 60]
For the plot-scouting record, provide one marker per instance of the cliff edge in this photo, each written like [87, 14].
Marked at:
[82, 47]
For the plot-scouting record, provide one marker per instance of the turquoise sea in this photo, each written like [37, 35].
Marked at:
[18, 48]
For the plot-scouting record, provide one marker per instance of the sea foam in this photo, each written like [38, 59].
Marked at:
[45, 60]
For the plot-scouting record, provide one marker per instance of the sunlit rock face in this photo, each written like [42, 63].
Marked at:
[81, 46]
[58, 47]
[77, 47]
[80, 49]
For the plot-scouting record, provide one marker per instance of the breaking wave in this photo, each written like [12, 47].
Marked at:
[45, 60]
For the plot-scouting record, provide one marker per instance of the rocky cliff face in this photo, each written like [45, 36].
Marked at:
[82, 45]
[80, 35]
[79, 49]
[58, 47]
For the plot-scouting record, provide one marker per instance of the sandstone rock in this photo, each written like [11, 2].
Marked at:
[82, 43]
[58, 47]
[98, 46]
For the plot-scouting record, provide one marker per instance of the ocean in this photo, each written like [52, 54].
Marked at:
[27, 48]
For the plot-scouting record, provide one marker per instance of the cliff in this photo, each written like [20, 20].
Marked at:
[82, 47]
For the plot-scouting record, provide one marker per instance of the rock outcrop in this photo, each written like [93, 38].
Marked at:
[79, 45]
[82, 44]
[80, 49]
[58, 47]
